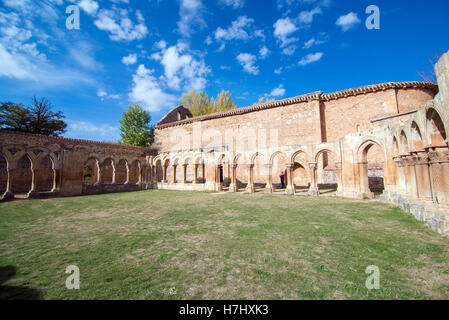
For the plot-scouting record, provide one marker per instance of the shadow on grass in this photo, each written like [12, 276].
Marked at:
[12, 292]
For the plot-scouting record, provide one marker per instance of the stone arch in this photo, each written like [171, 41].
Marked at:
[403, 143]
[224, 168]
[260, 170]
[295, 156]
[108, 171]
[91, 171]
[395, 146]
[135, 169]
[158, 170]
[22, 176]
[416, 138]
[241, 171]
[278, 161]
[436, 131]
[326, 170]
[371, 167]
[45, 175]
[122, 171]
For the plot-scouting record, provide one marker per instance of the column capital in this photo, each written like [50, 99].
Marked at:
[312, 165]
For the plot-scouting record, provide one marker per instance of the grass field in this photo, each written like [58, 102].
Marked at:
[189, 245]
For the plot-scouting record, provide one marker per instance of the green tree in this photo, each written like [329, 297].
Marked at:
[199, 104]
[223, 102]
[135, 128]
[38, 118]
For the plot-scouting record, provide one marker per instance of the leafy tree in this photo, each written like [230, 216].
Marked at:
[38, 118]
[135, 128]
[223, 102]
[44, 121]
[199, 104]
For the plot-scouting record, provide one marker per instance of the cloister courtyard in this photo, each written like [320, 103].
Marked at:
[160, 244]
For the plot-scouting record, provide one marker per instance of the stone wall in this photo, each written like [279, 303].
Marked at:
[41, 166]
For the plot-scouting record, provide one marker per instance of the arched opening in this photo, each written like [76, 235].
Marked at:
[416, 137]
[159, 174]
[3, 174]
[300, 177]
[134, 172]
[121, 171]
[108, 171]
[224, 172]
[437, 132]
[260, 172]
[241, 172]
[371, 169]
[168, 171]
[45, 175]
[200, 170]
[404, 143]
[22, 177]
[278, 171]
[190, 170]
[326, 173]
[90, 172]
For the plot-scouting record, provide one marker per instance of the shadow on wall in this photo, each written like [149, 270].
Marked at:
[13, 292]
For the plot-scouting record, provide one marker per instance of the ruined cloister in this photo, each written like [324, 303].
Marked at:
[387, 141]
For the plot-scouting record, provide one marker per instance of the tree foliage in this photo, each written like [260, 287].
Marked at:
[199, 104]
[37, 118]
[135, 127]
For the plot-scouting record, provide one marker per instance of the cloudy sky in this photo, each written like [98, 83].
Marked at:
[152, 51]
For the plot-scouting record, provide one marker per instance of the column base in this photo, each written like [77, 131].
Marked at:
[269, 188]
[289, 191]
[250, 188]
[233, 188]
[313, 191]
[33, 194]
[8, 195]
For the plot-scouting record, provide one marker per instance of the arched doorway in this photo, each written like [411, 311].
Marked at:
[278, 167]
[45, 175]
[371, 169]
[241, 172]
[121, 171]
[260, 171]
[134, 172]
[108, 171]
[22, 177]
[91, 172]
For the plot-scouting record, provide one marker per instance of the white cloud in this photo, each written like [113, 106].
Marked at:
[234, 3]
[82, 53]
[129, 59]
[120, 26]
[264, 52]
[348, 21]
[276, 92]
[283, 28]
[278, 70]
[306, 17]
[247, 61]
[240, 29]
[103, 94]
[323, 38]
[190, 12]
[181, 68]
[103, 130]
[147, 91]
[89, 6]
[310, 58]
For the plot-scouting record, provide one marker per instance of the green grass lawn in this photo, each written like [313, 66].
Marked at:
[190, 245]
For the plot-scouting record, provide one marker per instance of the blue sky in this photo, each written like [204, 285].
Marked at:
[151, 52]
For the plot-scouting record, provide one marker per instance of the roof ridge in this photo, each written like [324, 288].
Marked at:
[306, 97]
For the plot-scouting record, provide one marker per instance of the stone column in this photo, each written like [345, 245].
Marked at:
[364, 180]
[195, 174]
[401, 186]
[313, 189]
[100, 174]
[269, 187]
[250, 186]
[411, 177]
[424, 185]
[218, 183]
[113, 172]
[8, 195]
[233, 186]
[439, 166]
[164, 175]
[184, 169]
[289, 186]
[339, 179]
[174, 173]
